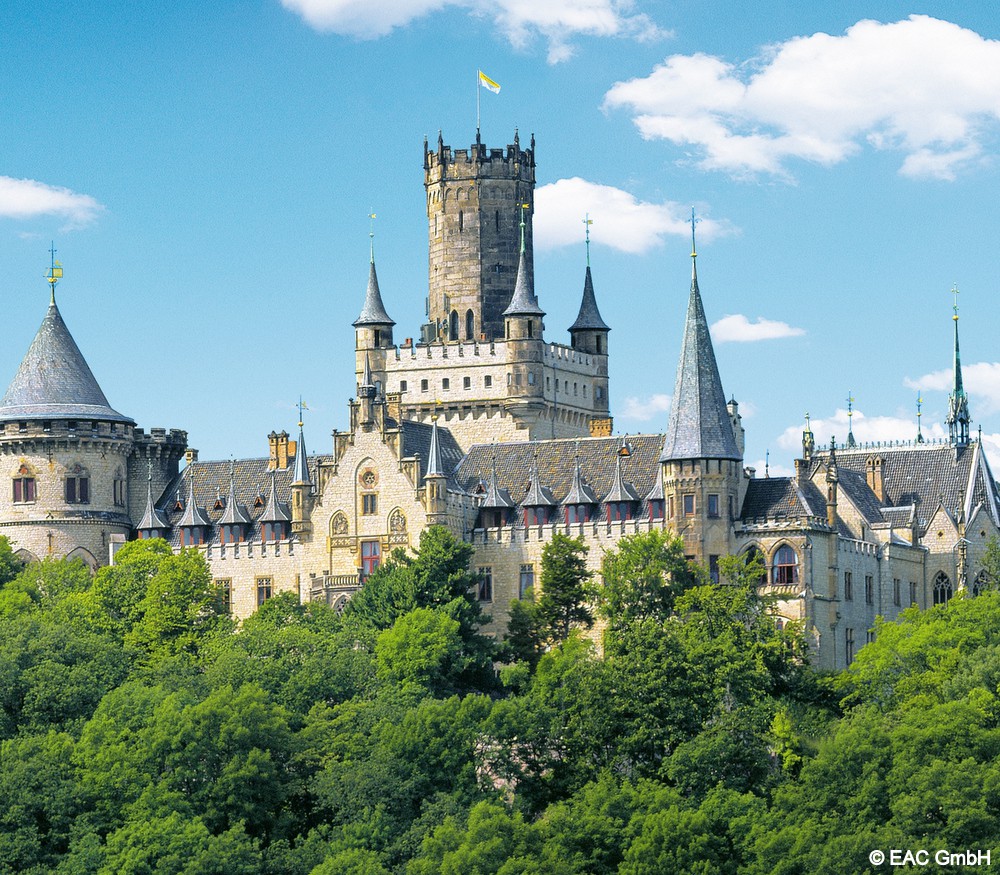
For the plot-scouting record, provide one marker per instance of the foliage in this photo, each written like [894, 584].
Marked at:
[563, 603]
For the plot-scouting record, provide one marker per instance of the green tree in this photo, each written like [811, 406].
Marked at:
[10, 565]
[563, 603]
[423, 648]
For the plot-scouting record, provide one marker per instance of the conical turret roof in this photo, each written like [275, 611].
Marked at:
[523, 302]
[373, 312]
[300, 470]
[54, 380]
[699, 425]
[589, 318]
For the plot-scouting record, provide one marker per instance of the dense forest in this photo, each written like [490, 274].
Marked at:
[144, 731]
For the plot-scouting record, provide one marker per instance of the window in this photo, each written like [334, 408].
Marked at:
[689, 504]
[24, 489]
[118, 489]
[942, 589]
[232, 534]
[848, 587]
[487, 381]
[423, 385]
[869, 590]
[531, 378]
[402, 385]
[225, 587]
[713, 506]
[78, 490]
[670, 507]
[535, 516]
[656, 508]
[576, 513]
[913, 593]
[598, 393]
[466, 382]
[191, 536]
[272, 531]
[265, 589]
[461, 221]
[713, 568]
[574, 388]
[526, 585]
[849, 645]
[485, 584]
[869, 636]
[896, 591]
[470, 325]
[446, 384]
[754, 555]
[369, 504]
[598, 344]
[981, 584]
[531, 328]
[493, 518]
[371, 557]
[785, 569]
[618, 511]
[453, 324]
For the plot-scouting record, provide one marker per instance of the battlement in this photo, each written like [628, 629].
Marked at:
[477, 160]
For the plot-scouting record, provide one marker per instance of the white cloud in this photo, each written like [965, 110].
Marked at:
[27, 199]
[771, 469]
[923, 87]
[645, 409]
[621, 220]
[520, 21]
[867, 429]
[991, 445]
[981, 381]
[738, 329]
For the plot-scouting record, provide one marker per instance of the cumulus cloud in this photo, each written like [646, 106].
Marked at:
[981, 381]
[991, 445]
[644, 409]
[520, 21]
[621, 220]
[771, 469]
[923, 87]
[867, 429]
[28, 199]
[738, 329]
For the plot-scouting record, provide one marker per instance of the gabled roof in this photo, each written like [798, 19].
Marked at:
[781, 498]
[55, 381]
[589, 317]
[699, 426]
[373, 311]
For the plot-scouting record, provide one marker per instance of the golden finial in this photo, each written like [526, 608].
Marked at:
[301, 406]
[954, 291]
[55, 273]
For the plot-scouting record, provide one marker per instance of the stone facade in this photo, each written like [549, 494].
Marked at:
[504, 437]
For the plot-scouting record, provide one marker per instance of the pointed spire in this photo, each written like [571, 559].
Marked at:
[300, 470]
[620, 490]
[373, 311]
[193, 515]
[434, 454]
[851, 442]
[274, 510]
[589, 317]
[699, 426]
[536, 495]
[579, 491]
[234, 514]
[958, 402]
[523, 302]
[152, 518]
[808, 441]
[495, 496]
[367, 387]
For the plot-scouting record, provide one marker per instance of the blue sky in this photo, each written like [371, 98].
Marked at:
[206, 172]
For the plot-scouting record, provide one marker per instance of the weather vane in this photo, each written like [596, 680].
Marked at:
[55, 273]
[523, 208]
[301, 406]
[694, 221]
[954, 291]
[920, 403]
[371, 234]
[587, 222]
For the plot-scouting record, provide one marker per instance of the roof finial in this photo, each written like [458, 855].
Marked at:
[371, 235]
[920, 402]
[55, 273]
[587, 222]
[851, 442]
[301, 406]
[958, 402]
[523, 208]
[694, 248]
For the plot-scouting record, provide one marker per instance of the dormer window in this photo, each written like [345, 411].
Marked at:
[656, 509]
[619, 511]
[577, 513]
[231, 534]
[272, 531]
[536, 516]
[192, 536]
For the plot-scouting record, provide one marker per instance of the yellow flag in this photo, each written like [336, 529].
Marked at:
[488, 83]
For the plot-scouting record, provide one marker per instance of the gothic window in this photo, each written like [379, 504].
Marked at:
[849, 645]
[397, 522]
[869, 590]
[24, 486]
[265, 589]
[119, 488]
[371, 557]
[786, 569]
[78, 486]
[848, 587]
[470, 325]
[942, 589]
[338, 525]
[369, 504]
[485, 584]
[981, 583]
[453, 325]
[525, 588]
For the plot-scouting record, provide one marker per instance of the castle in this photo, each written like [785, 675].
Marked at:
[486, 427]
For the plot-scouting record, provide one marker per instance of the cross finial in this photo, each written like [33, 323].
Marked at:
[920, 402]
[850, 402]
[587, 222]
[694, 221]
[954, 291]
[301, 406]
[371, 235]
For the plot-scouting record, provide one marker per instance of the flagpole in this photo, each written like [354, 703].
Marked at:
[479, 88]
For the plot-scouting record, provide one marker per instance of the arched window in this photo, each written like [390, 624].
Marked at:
[981, 583]
[496, 218]
[461, 222]
[470, 325]
[786, 566]
[24, 485]
[754, 554]
[942, 589]
[453, 326]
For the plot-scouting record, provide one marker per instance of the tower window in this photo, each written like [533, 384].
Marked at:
[423, 385]
[485, 584]
[119, 489]
[470, 325]
[402, 385]
[24, 490]
[598, 343]
[461, 222]
[713, 506]
[487, 381]
[445, 384]
[786, 569]
[378, 337]
[496, 218]
[77, 490]
[466, 382]
[689, 504]
[453, 325]
[531, 328]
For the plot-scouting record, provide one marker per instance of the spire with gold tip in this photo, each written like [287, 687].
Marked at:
[958, 401]
[300, 471]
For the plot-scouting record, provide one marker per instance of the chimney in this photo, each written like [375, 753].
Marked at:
[278, 450]
[873, 472]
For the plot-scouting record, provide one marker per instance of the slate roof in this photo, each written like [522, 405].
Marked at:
[54, 380]
[856, 487]
[373, 311]
[779, 498]
[417, 442]
[598, 458]
[589, 317]
[523, 302]
[699, 425]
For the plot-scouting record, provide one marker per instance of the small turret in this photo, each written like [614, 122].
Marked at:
[373, 325]
[958, 402]
[589, 333]
[301, 485]
[435, 481]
